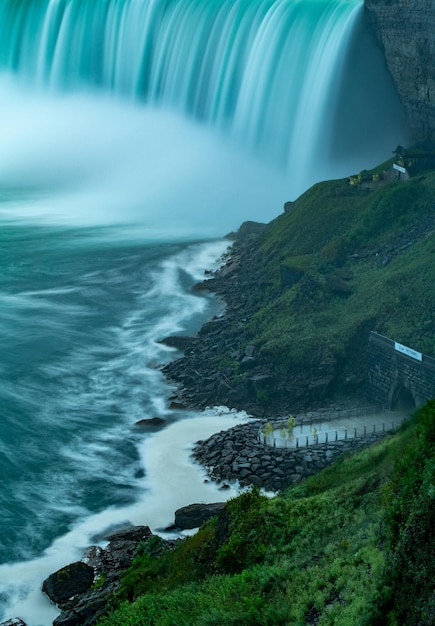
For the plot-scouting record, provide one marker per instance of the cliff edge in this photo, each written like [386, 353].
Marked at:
[406, 31]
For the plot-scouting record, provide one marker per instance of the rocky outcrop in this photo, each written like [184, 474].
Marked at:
[406, 32]
[69, 581]
[83, 590]
[195, 515]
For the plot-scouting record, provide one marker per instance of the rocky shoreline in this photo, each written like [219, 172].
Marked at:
[82, 590]
[218, 366]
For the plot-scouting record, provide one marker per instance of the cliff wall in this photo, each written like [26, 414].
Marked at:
[406, 32]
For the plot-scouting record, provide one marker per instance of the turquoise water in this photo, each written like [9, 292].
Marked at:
[81, 315]
[79, 318]
[135, 135]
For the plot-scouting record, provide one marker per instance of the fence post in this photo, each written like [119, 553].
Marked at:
[336, 435]
[326, 438]
[345, 433]
[355, 433]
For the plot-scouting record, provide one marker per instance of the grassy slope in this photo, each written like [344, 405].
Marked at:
[332, 550]
[370, 244]
[336, 548]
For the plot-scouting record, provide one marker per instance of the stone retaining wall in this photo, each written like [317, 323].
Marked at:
[391, 371]
[237, 454]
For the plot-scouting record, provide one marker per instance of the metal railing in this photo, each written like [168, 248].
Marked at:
[315, 430]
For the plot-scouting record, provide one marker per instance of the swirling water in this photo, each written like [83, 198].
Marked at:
[134, 136]
[81, 316]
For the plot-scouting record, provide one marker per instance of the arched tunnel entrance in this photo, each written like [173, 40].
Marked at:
[402, 399]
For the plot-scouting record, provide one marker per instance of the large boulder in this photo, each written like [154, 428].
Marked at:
[69, 581]
[194, 515]
[15, 621]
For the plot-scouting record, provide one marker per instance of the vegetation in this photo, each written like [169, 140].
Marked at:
[360, 258]
[352, 546]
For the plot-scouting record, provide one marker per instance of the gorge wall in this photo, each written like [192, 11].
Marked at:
[406, 32]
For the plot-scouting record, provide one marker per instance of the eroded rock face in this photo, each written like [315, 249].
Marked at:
[406, 32]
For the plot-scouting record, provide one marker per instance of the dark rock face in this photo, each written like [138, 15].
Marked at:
[15, 621]
[194, 515]
[83, 603]
[69, 581]
[406, 32]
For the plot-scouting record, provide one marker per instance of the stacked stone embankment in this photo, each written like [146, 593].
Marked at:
[238, 455]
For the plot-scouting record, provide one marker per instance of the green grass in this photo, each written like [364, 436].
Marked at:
[319, 553]
[366, 265]
[340, 548]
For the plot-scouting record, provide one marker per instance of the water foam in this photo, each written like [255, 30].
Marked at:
[91, 160]
[172, 480]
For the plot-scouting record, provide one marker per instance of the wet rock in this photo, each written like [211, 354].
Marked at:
[178, 342]
[86, 611]
[69, 581]
[152, 421]
[84, 604]
[121, 549]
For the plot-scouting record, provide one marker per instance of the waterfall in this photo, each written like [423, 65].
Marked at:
[266, 72]
[128, 129]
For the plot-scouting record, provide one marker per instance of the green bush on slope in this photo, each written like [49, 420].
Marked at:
[332, 550]
[411, 519]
